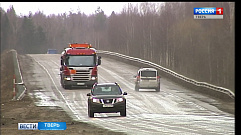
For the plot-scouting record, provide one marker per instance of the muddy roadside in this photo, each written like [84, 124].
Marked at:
[25, 111]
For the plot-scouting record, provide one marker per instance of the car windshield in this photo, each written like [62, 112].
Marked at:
[52, 51]
[81, 61]
[148, 73]
[106, 90]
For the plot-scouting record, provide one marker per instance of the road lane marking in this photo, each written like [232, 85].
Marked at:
[74, 112]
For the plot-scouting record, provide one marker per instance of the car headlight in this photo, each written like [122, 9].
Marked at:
[96, 100]
[119, 99]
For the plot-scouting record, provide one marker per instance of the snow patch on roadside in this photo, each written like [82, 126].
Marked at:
[43, 100]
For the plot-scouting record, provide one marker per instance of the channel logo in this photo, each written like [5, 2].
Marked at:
[52, 125]
[42, 126]
[208, 13]
[27, 126]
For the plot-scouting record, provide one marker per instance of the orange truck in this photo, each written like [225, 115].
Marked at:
[79, 66]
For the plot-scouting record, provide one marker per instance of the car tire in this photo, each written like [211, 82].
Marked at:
[158, 89]
[123, 113]
[90, 112]
[136, 88]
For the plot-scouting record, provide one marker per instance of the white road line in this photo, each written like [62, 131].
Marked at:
[126, 83]
[72, 110]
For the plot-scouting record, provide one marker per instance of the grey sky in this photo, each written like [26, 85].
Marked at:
[23, 8]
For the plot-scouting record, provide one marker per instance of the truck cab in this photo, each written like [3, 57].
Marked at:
[79, 66]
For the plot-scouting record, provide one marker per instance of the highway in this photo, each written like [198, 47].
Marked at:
[173, 110]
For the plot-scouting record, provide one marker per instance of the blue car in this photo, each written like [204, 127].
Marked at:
[52, 51]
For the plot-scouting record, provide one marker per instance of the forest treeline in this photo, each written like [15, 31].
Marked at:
[166, 34]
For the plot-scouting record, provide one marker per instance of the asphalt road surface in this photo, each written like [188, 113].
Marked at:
[173, 110]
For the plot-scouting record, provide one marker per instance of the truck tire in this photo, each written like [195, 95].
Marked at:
[67, 87]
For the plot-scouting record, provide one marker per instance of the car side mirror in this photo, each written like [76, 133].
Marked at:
[124, 93]
[88, 94]
[134, 76]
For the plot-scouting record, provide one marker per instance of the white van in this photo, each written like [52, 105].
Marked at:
[147, 78]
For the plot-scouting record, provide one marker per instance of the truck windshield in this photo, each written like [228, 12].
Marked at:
[81, 61]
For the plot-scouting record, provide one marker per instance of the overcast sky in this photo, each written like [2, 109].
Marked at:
[23, 8]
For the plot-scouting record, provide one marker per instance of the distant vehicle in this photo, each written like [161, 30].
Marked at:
[106, 98]
[147, 78]
[52, 51]
[79, 66]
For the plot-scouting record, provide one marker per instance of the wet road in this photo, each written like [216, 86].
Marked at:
[173, 110]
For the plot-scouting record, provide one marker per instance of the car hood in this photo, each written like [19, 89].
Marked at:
[107, 96]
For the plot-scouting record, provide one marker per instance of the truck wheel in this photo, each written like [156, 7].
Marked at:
[64, 85]
[67, 86]
[89, 86]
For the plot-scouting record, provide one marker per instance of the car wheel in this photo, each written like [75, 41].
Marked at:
[158, 89]
[123, 112]
[90, 112]
[136, 88]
